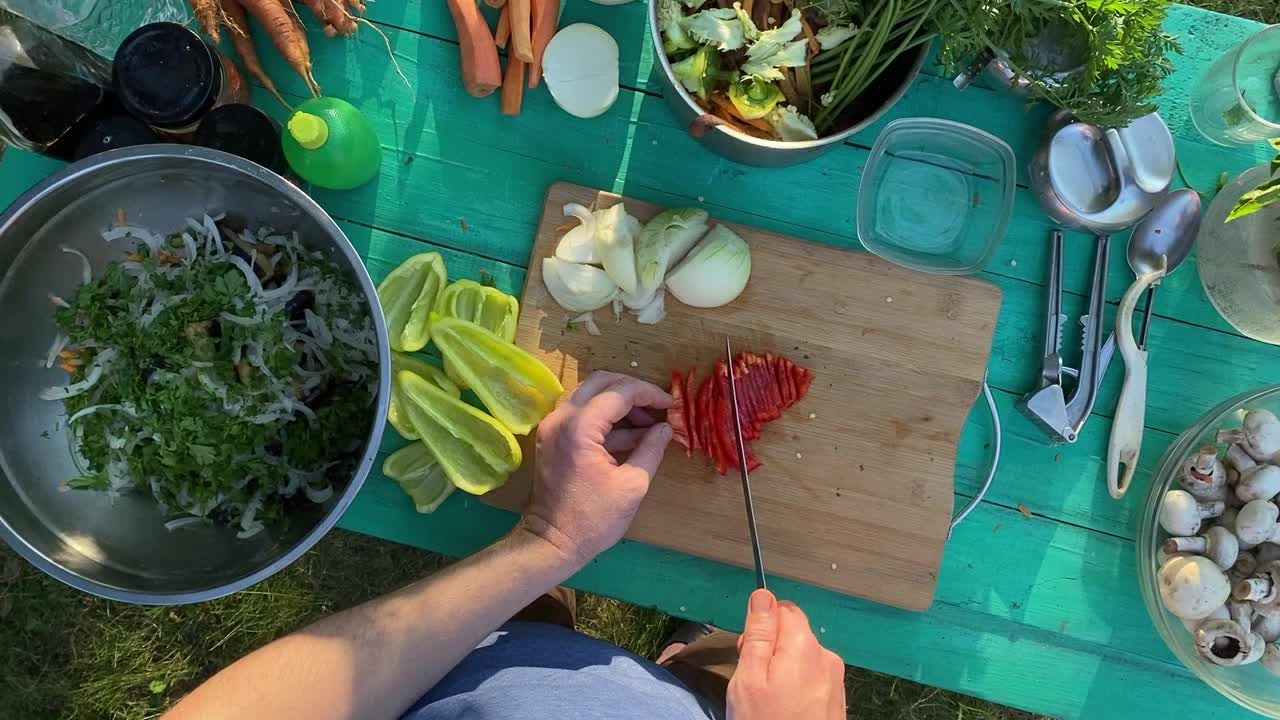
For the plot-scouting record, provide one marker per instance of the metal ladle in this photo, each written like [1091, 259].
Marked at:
[1158, 244]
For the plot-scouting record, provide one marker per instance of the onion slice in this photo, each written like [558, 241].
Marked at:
[577, 288]
[714, 273]
[579, 244]
[580, 66]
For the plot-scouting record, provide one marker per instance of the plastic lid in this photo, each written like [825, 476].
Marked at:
[245, 131]
[936, 195]
[165, 75]
[114, 131]
[311, 131]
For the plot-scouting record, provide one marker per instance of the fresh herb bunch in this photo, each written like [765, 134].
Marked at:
[1106, 60]
[228, 377]
[1265, 195]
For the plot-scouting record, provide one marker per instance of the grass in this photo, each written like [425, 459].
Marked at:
[1267, 11]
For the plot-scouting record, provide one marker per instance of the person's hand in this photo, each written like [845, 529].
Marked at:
[584, 499]
[783, 673]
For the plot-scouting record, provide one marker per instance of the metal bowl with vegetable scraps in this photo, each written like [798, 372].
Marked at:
[197, 374]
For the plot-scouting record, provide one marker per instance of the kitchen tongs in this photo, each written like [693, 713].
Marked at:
[1048, 405]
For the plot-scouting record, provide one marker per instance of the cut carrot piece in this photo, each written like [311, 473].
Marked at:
[503, 32]
[513, 87]
[545, 15]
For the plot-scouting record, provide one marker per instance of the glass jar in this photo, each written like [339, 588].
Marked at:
[170, 78]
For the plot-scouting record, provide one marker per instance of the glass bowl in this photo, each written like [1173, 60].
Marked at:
[1239, 261]
[936, 195]
[1250, 686]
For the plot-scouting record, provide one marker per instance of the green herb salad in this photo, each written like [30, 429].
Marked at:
[228, 374]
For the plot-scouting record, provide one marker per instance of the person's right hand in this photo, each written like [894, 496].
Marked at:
[584, 499]
[783, 672]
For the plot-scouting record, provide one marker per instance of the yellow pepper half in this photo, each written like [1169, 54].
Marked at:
[514, 385]
[408, 295]
[477, 453]
[396, 414]
[488, 307]
[419, 475]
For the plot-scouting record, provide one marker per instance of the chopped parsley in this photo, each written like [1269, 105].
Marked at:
[235, 374]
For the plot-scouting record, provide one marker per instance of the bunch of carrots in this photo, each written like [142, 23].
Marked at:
[524, 29]
[281, 20]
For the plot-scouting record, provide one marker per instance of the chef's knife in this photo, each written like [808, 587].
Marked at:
[742, 466]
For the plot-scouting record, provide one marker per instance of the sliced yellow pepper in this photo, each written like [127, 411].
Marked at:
[485, 306]
[476, 451]
[408, 295]
[514, 385]
[396, 414]
[419, 475]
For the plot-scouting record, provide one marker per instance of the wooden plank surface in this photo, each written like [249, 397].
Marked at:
[867, 455]
[1040, 613]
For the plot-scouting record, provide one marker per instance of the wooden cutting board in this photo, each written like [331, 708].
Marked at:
[855, 493]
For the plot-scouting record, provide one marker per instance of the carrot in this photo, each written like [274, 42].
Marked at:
[287, 35]
[545, 14]
[481, 73]
[69, 368]
[334, 16]
[207, 13]
[521, 38]
[513, 86]
[233, 16]
[504, 28]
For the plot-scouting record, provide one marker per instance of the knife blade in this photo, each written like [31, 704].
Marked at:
[742, 467]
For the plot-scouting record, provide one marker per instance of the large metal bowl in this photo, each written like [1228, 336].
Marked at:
[883, 93]
[120, 549]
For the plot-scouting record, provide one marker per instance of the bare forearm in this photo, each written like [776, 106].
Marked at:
[375, 660]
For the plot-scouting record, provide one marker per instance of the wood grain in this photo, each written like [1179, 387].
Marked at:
[856, 490]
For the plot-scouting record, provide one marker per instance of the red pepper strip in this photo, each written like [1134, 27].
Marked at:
[691, 411]
[728, 439]
[753, 462]
[806, 382]
[797, 378]
[747, 400]
[676, 416]
[779, 401]
[788, 375]
[720, 448]
[769, 390]
[705, 419]
[784, 387]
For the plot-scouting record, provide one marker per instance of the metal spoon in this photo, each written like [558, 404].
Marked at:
[1169, 230]
[1161, 241]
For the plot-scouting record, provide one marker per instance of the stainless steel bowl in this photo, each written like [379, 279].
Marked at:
[120, 549]
[743, 148]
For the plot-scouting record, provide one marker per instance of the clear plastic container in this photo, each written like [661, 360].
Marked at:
[936, 195]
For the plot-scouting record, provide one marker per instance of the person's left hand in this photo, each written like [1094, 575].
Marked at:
[584, 500]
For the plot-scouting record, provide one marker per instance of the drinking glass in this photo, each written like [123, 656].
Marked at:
[1237, 102]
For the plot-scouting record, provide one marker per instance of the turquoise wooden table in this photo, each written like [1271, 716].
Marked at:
[1038, 610]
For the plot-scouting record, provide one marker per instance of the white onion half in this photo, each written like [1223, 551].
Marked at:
[580, 66]
[714, 273]
[577, 288]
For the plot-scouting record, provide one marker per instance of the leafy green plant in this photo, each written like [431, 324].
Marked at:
[1102, 60]
[1266, 194]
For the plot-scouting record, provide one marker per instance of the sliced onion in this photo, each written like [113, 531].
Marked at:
[714, 273]
[160, 305]
[86, 270]
[579, 244]
[318, 496]
[179, 523]
[588, 321]
[577, 288]
[59, 344]
[62, 392]
[255, 285]
[319, 329]
[190, 244]
[126, 409]
[616, 234]
[652, 313]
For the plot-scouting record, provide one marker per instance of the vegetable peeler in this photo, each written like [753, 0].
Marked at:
[1048, 405]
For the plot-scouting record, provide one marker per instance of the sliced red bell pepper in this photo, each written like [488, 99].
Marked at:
[784, 385]
[677, 416]
[691, 410]
[806, 381]
[705, 418]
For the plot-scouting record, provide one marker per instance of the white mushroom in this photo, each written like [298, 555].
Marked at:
[1245, 566]
[1271, 658]
[1225, 643]
[1220, 613]
[1268, 626]
[1204, 476]
[1260, 436]
[1192, 587]
[1260, 483]
[1263, 588]
[1217, 543]
[1256, 523]
[1239, 460]
[1180, 514]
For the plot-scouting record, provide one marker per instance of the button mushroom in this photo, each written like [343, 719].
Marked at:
[1260, 436]
[1192, 587]
[1220, 613]
[1204, 476]
[1217, 543]
[1245, 566]
[1256, 523]
[1239, 460]
[1268, 626]
[1260, 483]
[1225, 643]
[1263, 588]
[1180, 514]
